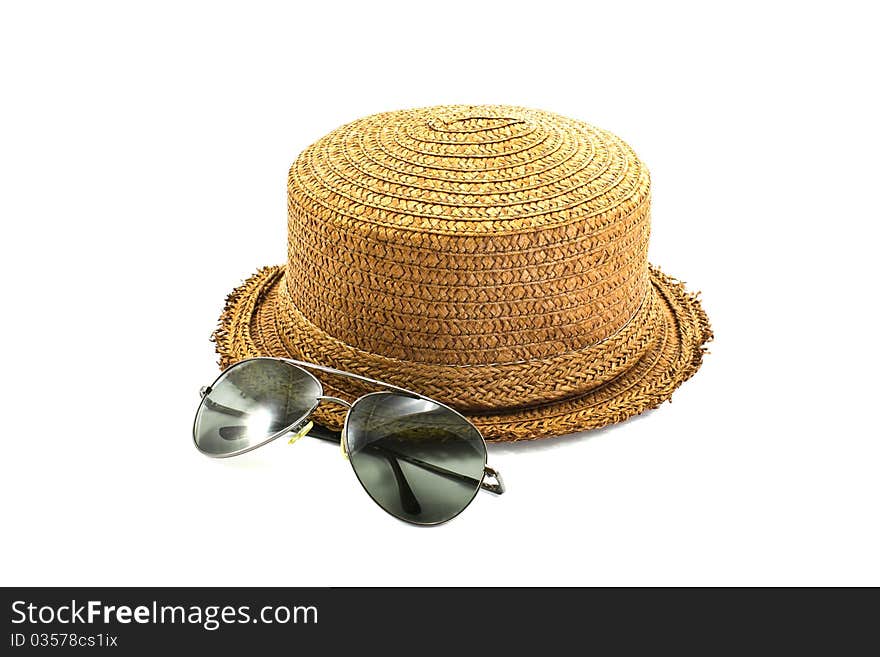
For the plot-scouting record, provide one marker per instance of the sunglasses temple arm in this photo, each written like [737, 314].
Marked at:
[497, 487]
[407, 496]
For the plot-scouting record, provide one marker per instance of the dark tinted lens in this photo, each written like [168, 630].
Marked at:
[418, 460]
[250, 402]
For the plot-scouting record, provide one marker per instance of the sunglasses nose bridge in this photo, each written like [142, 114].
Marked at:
[341, 402]
[334, 400]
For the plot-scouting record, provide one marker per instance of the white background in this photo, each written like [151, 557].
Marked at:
[143, 160]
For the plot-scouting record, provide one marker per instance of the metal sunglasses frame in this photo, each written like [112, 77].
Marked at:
[303, 426]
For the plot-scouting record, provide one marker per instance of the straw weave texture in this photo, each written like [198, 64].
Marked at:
[491, 257]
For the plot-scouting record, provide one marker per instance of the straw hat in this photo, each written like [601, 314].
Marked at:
[491, 257]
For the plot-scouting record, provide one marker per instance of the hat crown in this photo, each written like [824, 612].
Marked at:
[491, 238]
[469, 169]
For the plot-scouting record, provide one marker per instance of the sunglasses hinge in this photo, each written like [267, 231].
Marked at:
[498, 486]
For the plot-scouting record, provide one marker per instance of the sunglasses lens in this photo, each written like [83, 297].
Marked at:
[251, 402]
[419, 461]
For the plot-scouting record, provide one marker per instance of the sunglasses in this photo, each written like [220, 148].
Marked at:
[418, 459]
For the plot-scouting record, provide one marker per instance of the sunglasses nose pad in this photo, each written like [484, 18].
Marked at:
[302, 431]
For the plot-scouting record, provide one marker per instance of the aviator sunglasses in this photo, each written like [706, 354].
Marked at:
[420, 460]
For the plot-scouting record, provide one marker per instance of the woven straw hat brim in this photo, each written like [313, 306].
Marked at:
[249, 327]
